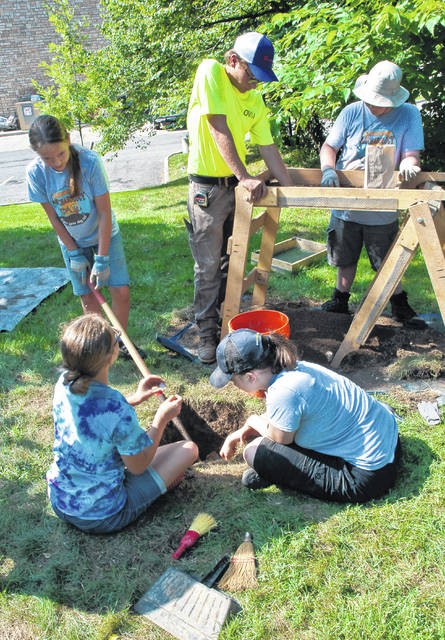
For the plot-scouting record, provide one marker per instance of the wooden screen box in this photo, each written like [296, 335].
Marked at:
[294, 253]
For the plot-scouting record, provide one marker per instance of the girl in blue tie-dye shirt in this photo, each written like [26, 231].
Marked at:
[107, 470]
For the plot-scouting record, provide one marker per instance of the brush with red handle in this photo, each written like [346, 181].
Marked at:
[200, 525]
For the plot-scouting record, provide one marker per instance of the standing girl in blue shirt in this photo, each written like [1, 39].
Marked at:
[107, 470]
[70, 183]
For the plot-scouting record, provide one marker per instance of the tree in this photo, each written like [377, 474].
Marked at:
[328, 45]
[69, 96]
[152, 51]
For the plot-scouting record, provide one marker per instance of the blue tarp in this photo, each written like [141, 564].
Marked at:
[22, 290]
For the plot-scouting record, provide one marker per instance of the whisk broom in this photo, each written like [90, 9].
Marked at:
[242, 573]
[200, 525]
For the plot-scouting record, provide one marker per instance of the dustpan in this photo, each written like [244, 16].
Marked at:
[185, 607]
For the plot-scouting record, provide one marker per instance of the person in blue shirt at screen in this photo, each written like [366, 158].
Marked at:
[381, 117]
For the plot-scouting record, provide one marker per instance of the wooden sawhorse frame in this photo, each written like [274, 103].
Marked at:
[425, 226]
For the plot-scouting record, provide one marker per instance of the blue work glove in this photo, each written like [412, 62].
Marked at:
[100, 271]
[408, 171]
[79, 264]
[329, 178]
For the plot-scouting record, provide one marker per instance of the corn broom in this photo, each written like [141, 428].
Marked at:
[200, 525]
[242, 573]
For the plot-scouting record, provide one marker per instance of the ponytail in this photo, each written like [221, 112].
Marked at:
[284, 353]
[74, 169]
[279, 353]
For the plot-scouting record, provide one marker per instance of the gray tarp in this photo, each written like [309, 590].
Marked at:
[21, 290]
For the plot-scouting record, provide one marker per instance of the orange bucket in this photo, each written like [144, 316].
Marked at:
[262, 320]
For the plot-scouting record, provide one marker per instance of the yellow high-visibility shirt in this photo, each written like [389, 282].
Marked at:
[246, 113]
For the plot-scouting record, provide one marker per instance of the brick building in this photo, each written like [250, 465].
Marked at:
[25, 33]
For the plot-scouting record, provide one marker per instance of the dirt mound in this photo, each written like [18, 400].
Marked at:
[379, 363]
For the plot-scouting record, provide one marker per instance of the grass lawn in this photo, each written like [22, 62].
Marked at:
[326, 571]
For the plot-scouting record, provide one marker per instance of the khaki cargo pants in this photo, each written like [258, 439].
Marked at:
[209, 228]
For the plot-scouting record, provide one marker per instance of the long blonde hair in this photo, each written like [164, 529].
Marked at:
[86, 344]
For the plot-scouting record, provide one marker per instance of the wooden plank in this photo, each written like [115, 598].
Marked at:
[430, 230]
[331, 202]
[397, 198]
[238, 259]
[266, 254]
[257, 222]
[355, 178]
[386, 280]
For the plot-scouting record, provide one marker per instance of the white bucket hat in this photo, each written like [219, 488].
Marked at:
[381, 87]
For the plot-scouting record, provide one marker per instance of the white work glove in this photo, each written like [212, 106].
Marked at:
[100, 271]
[408, 171]
[79, 264]
[329, 178]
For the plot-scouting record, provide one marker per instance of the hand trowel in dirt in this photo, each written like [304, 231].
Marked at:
[186, 608]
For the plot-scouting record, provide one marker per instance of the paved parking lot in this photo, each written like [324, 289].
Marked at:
[141, 164]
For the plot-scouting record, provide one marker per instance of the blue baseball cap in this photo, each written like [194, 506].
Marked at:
[240, 351]
[258, 52]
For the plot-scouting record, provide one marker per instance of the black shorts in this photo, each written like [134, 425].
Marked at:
[346, 239]
[320, 475]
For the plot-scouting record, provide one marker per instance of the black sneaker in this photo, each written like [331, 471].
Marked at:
[125, 354]
[401, 311]
[252, 480]
[338, 303]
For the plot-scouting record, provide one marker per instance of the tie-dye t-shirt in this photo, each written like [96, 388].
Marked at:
[92, 431]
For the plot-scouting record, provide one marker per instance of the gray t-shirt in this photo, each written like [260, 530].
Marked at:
[356, 127]
[330, 414]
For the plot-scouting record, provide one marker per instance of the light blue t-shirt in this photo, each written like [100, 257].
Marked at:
[79, 214]
[330, 414]
[356, 127]
[91, 432]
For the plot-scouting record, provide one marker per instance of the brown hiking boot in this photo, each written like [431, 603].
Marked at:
[207, 349]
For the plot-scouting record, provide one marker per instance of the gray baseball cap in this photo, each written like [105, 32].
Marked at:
[240, 351]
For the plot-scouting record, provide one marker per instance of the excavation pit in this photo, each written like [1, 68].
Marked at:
[208, 423]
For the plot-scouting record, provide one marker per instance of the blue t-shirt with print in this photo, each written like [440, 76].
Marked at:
[91, 433]
[330, 414]
[356, 127]
[78, 214]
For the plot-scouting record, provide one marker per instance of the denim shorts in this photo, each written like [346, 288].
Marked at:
[142, 490]
[322, 476]
[346, 239]
[119, 276]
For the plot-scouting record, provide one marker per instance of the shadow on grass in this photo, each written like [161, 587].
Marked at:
[44, 557]
[161, 269]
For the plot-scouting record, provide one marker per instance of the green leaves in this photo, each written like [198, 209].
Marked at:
[153, 49]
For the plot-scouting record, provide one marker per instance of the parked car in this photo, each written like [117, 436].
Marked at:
[9, 123]
[172, 121]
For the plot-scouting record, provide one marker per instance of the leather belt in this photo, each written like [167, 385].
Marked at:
[228, 181]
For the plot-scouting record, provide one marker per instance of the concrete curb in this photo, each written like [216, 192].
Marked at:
[166, 165]
[14, 132]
